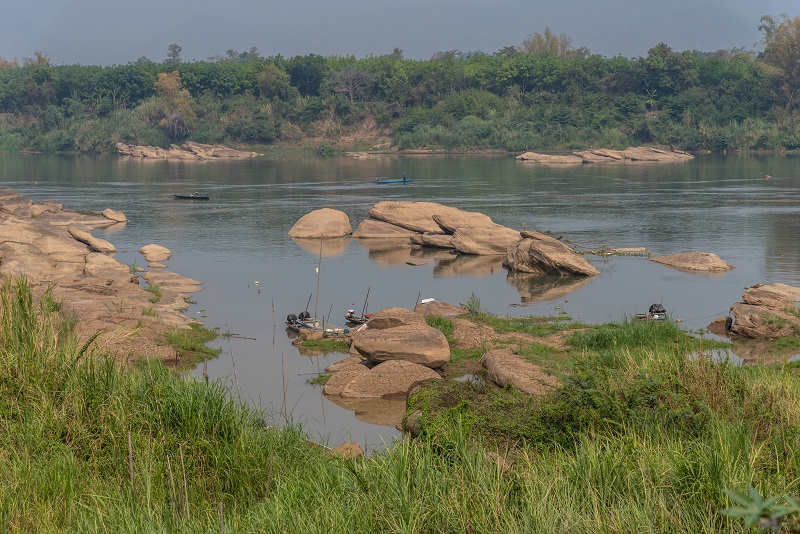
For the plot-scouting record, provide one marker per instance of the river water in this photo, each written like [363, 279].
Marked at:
[723, 205]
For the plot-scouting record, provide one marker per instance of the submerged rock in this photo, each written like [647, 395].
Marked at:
[695, 261]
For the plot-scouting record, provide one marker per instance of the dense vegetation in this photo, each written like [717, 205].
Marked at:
[543, 94]
[640, 439]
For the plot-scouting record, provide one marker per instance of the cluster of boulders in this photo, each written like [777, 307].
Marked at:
[395, 350]
[605, 155]
[187, 151]
[434, 225]
[54, 249]
[766, 312]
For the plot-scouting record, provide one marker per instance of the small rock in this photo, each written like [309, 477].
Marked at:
[114, 215]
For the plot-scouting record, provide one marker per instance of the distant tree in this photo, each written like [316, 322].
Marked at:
[397, 53]
[39, 59]
[274, 82]
[174, 54]
[6, 64]
[143, 60]
[550, 44]
[308, 73]
[782, 50]
[507, 51]
[177, 117]
[450, 54]
[354, 83]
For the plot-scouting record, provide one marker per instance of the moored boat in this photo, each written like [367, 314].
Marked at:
[191, 196]
[656, 312]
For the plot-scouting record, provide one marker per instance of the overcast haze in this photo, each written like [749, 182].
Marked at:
[106, 32]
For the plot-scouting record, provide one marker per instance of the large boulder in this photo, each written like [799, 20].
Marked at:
[322, 223]
[390, 379]
[475, 233]
[535, 157]
[767, 312]
[695, 261]
[415, 216]
[504, 367]
[401, 334]
[541, 254]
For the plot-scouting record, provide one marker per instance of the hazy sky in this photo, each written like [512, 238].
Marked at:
[113, 32]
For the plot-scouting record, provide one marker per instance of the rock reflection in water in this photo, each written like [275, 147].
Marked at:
[536, 288]
[386, 412]
[330, 247]
[388, 252]
[467, 265]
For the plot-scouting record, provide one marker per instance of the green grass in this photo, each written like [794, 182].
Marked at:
[649, 444]
[190, 343]
[155, 289]
[327, 346]
[445, 326]
[320, 380]
[535, 326]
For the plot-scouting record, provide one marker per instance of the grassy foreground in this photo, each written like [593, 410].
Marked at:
[73, 421]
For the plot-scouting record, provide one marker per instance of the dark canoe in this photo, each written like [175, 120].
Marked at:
[393, 180]
[190, 197]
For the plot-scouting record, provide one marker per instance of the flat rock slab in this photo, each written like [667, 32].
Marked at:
[695, 261]
[156, 253]
[767, 312]
[505, 367]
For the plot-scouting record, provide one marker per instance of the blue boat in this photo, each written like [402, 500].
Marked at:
[394, 180]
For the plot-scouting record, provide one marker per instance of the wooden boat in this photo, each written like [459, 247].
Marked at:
[352, 318]
[394, 180]
[191, 196]
[304, 321]
[657, 312]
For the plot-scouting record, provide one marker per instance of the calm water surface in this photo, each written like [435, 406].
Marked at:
[715, 204]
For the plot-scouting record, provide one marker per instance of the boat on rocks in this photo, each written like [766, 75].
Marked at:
[304, 321]
[656, 312]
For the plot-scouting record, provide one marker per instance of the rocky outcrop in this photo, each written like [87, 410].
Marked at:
[695, 261]
[156, 253]
[100, 291]
[767, 312]
[504, 367]
[401, 334]
[605, 156]
[94, 243]
[321, 224]
[186, 151]
[541, 254]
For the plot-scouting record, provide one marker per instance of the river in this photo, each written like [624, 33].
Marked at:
[723, 205]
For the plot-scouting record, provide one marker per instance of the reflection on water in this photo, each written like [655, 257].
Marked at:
[387, 412]
[323, 247]
[717, 356]
[713, 204]
[537, 288]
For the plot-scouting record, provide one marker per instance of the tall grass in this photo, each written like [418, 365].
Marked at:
[67, 412]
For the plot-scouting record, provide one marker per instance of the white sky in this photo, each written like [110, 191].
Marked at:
[112, 32]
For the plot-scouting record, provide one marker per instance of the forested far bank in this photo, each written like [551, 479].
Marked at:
[520, 98]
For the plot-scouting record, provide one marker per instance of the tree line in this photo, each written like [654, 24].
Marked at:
[544, 94]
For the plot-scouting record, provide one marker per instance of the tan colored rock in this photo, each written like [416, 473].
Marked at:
[156, 253]
[433, 240]
[390, 379]
[394, 317]
[94, 243]
[114, 215]
[505, 367]
[542, 254]
[349, 450]
[187, 151]
[414, 216]
[376, 229]
[767, 312]
[321, 224]
[695, 261]
[336, 383]
[548, 158]
[343, 364]
[420, 344]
